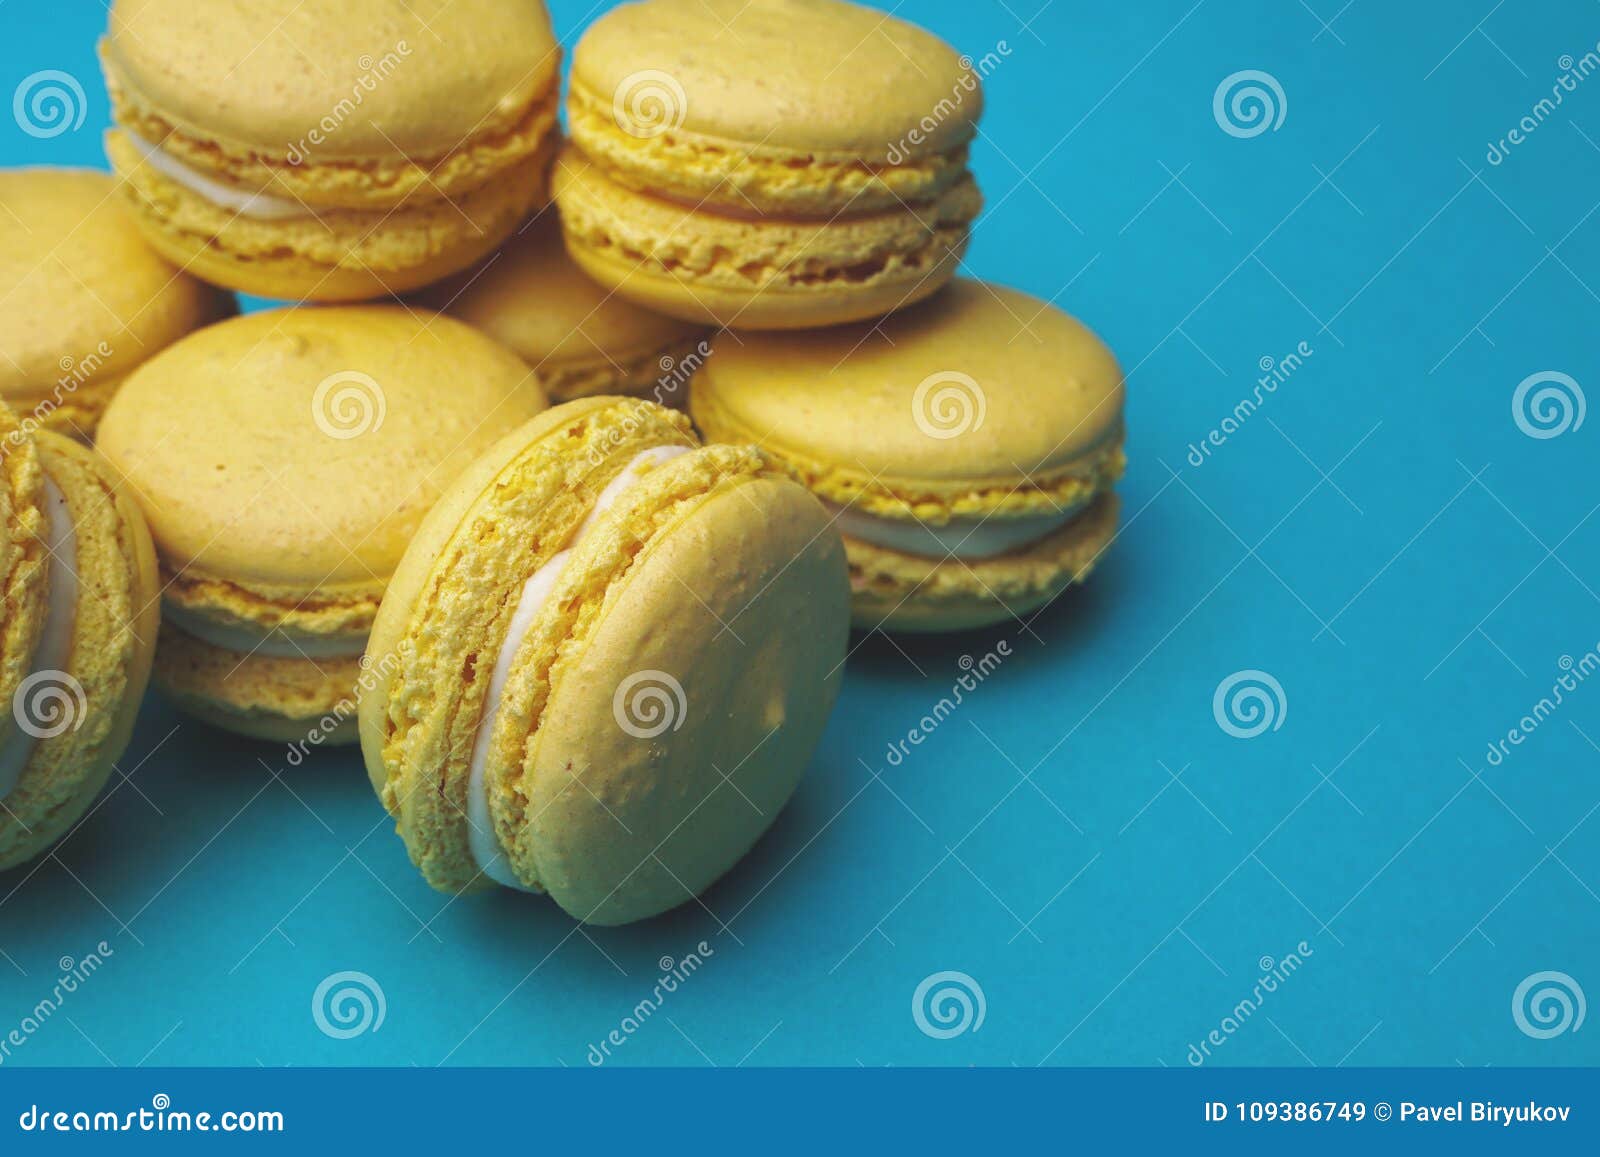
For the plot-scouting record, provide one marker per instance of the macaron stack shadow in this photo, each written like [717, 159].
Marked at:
[657, 633]
[79, 607]
[966, 448]
[767, 164]
[83, 299]
[331, 150]
[283, 461]
[580, 339]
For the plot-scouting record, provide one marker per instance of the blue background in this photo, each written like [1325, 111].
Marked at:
[1081, 838]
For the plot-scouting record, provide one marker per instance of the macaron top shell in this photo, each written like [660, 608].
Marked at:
[296, 450]
[80, 292]
[378, 77]
[535, 300]
[981, 400]
[810, 75]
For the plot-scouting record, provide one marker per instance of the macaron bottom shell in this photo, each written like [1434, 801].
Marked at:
[758, 273]
[88, 709]
[284, 699]
[327, 255]
[895, 591]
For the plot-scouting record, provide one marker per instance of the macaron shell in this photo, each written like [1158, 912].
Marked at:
[113, 643]
[84, 298]
[279, 698]
[258, 78]
[24, 569]
[752, 273]
[449, 605]
[981, 400]
[337, 254]
[580, 339]
[678, 726]
[299, 449]
[902, 592]
[806, 75]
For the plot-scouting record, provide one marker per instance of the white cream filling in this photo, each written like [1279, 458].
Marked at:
[273, 643]
[970, 538]
[51, 656]
[260, 206]
[482, 841]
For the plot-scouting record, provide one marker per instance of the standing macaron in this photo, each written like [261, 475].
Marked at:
[79, 608]
[580, 339]
[768, 164]
[657, 632]
[967, 448]
[331, 150]
[83, 299]
[283, 460]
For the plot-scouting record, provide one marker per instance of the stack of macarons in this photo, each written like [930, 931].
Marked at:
[587, 641]
[767, 164]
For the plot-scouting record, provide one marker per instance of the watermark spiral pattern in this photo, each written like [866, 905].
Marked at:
[49, 703]
[948, 1004]
[1249, 703]
[948, 404]
[48, 103]
[1548, 404]
[649, 703]
[1548, 1004]
[348, 404]
[348, 1004]
[1248, 103]
[649, 103]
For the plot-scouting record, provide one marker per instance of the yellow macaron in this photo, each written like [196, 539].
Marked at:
[580, 339]
[966, 448]
[657, 632]
[283, 460]
[79, 607]
[768, 164]
[331, 150]
[83, 299]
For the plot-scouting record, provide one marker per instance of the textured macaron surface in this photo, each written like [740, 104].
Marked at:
[982, 400]
[85, 712]
[340, 90]
[286, 457]
[579, 338]
[799, 104]
[82, 297]
[24, 573]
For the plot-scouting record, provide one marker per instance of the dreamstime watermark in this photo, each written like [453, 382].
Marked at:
[1248, 703]
[348, 1004]
[1548, 404]
[948, 1004]
[349, 404]
[1548, 1004]
[1573, 73]
[48, 103]
[649, 103]
[159, 1117]
[1274, 974]
[975, 672]
[673, 974]
[948, 404]
[1248, 103]
[373, 671]
[967, 85]
[649, 703]
[49, 703]
[373, 73]
[73, 974]
[1573, 674]
[74, 373]
[1274, 373]
[675, 376]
